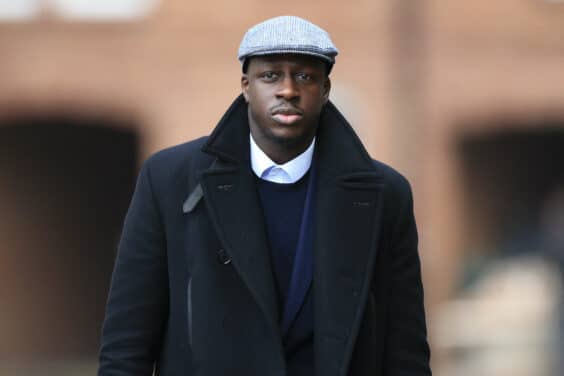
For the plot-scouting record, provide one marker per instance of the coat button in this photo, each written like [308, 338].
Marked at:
[223, 257]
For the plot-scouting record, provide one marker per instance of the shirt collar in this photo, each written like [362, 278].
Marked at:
[287, 173]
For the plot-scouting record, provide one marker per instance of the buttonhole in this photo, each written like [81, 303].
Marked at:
[361, 204]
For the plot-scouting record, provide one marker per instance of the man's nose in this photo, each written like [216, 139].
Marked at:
[288, 88]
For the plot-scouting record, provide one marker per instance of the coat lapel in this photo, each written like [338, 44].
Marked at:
[233, 204]
[230, 194]
[347, 229]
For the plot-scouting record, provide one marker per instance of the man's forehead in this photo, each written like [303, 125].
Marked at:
[294, 59]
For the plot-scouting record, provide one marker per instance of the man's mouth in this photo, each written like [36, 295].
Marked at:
[287, 115]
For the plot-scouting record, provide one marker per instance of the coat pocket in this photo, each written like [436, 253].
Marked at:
[189, 310]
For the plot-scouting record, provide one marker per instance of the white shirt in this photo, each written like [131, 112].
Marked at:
[287, 173]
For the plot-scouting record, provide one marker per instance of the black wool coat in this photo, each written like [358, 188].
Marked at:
[193, 291]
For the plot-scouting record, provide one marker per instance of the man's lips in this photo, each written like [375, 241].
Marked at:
[286, 115]
[286, 119]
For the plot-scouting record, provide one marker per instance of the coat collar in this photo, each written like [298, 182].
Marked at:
[338, 146]
[347, 211]
[230, 138]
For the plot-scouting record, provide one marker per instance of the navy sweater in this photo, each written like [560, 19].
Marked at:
[283, 206]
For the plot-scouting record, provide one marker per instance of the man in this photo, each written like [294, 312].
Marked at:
[275, 246]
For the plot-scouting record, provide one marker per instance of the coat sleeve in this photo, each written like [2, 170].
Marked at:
[407, 350]
[137, 304]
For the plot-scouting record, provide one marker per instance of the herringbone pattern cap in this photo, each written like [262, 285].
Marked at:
[287, 34]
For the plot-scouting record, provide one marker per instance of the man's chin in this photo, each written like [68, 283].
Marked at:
[289, 141]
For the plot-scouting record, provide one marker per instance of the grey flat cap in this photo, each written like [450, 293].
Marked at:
[287, 34]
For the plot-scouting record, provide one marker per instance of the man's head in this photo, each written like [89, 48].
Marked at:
[286, 64]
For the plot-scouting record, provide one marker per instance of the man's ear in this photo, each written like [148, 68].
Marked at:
[245, 86]
[326, 89]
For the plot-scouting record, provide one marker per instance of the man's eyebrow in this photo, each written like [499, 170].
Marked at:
[268, 62]
[277, 64]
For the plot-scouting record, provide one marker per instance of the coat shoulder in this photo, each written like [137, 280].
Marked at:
[177, 154]
[174, 171]
[182, 159]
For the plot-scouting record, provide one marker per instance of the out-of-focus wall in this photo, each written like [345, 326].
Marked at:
[177, 70]
[495, 75]
[417, 80]
[491, 65]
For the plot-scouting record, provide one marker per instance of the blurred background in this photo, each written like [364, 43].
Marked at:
[466, 98]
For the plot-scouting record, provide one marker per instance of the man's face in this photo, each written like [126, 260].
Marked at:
[285, 94]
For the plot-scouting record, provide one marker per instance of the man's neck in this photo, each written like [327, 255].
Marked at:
[281, 153]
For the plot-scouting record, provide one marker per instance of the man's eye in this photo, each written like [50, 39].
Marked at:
[269, 75]
[303, 77]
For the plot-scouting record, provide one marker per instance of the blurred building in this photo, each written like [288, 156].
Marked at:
[465, 98]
